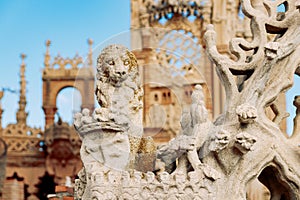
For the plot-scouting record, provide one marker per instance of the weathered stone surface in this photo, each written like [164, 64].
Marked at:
[112, 136]
[263, 151]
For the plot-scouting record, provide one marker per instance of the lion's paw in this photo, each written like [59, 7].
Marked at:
[246, 113]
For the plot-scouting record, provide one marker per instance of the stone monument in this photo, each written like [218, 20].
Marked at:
[215, 160]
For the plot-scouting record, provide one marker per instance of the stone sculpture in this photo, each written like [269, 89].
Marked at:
[269, 63]
[215, 160]
[112, 135]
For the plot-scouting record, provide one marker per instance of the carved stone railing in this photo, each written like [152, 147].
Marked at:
[137, 185]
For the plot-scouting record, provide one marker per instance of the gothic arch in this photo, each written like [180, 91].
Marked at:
[52, 86]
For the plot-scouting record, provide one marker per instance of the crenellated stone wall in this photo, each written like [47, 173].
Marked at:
[137, 185]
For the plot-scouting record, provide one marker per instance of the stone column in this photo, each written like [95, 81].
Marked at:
[49, 115]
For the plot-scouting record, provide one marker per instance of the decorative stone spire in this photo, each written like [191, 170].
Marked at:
[47, 55]
[90, 54]
[21, 114]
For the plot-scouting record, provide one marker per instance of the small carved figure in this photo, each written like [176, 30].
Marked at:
[198, 110]
[77, 120]
[86, 118]
[244, 142]
[220, 140]
[246, 113]
[195, 126]
[111, 137]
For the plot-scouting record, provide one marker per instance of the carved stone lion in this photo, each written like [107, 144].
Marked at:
[118, 88]
[116, 67]
[119, 92]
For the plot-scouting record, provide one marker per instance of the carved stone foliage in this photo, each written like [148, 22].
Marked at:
[264, 67]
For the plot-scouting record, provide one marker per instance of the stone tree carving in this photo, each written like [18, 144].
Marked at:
[255, 147]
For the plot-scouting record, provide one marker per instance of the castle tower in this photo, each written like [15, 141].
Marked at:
[24, 146]
[21, 113]
[57, 76]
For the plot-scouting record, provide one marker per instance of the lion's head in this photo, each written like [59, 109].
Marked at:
[115, 64]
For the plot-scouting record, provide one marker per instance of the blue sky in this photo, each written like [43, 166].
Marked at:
[25, 25]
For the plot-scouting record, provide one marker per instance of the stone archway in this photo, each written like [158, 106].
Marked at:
[52, 85]
[56, 79]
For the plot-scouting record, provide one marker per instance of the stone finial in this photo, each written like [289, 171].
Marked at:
[90, 54]
[47, 55]
[23, 56]
[198, 111]
[21, 114]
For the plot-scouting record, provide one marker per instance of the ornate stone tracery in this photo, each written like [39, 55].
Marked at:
[179, 51]
[157, 29]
